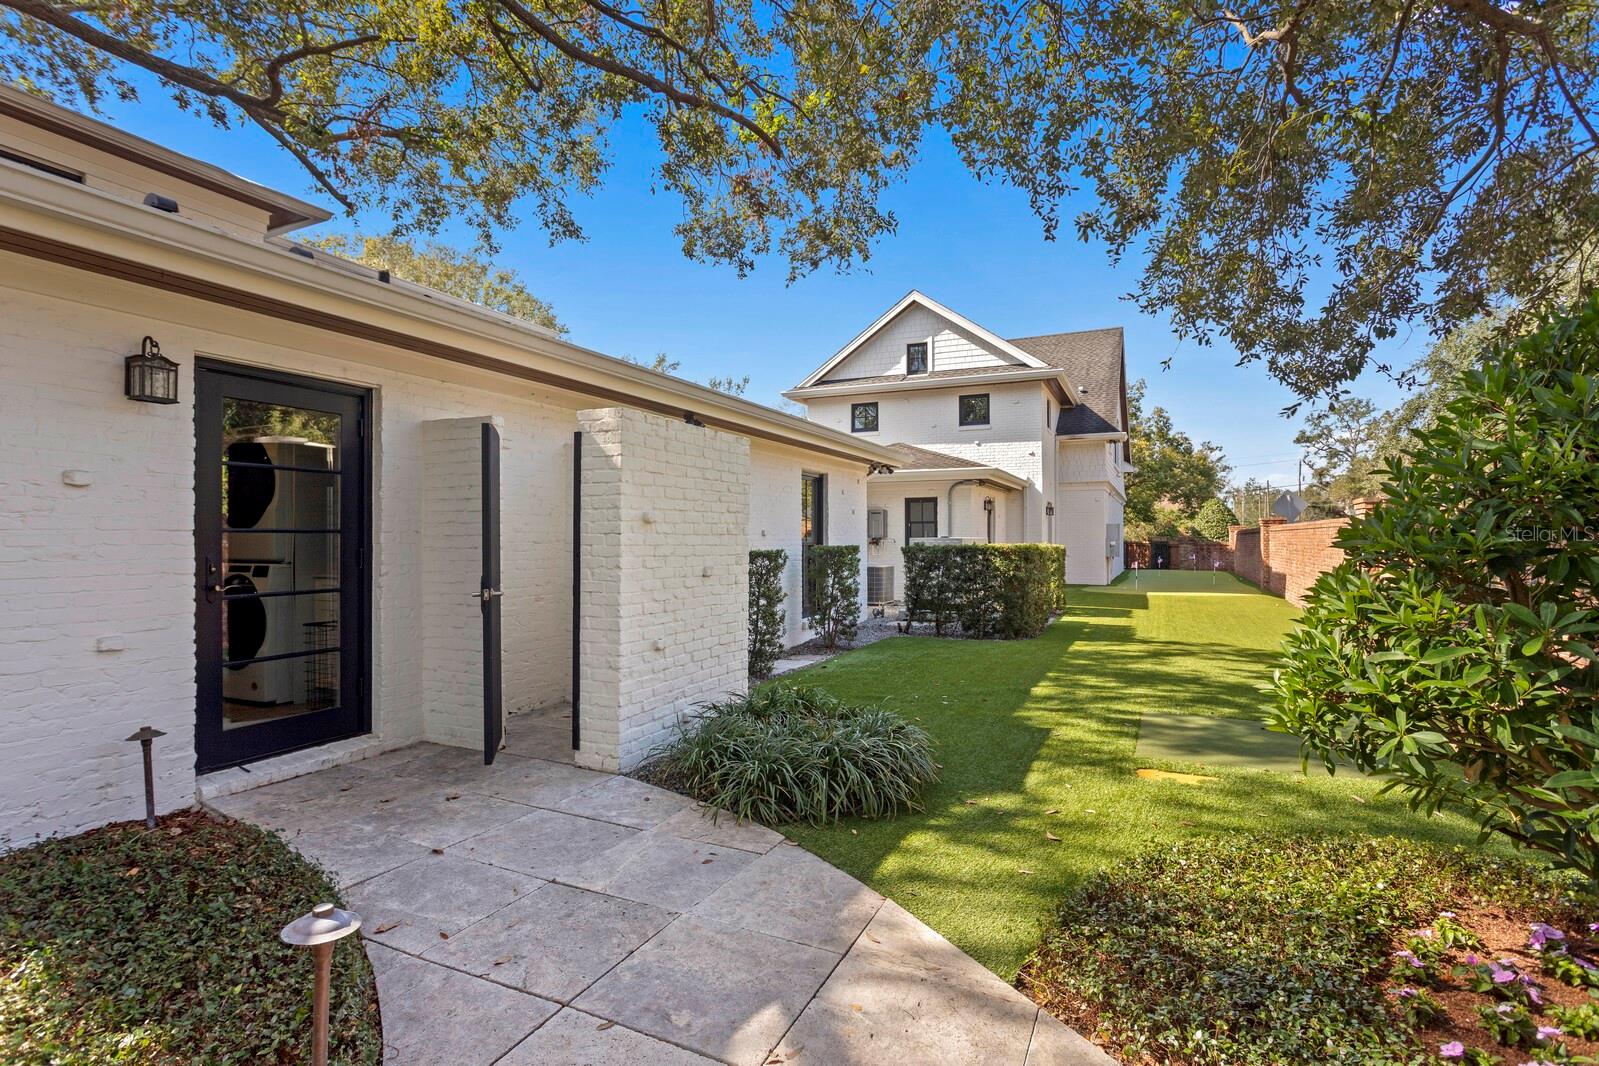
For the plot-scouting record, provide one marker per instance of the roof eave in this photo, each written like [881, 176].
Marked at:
[845, 388]
[955, 473]
[101, 213]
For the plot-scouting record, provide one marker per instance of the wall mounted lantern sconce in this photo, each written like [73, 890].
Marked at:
[150, 376]
[988, 504]
[1049, 509]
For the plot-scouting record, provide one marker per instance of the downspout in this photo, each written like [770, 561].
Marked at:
[949, 504]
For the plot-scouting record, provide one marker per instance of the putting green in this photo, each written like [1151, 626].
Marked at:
[1240, 743]
[1157, 581]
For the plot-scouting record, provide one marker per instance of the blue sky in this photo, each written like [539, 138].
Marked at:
[975, 247]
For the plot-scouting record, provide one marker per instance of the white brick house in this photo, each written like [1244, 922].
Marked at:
[283, 567]
[1020, 440]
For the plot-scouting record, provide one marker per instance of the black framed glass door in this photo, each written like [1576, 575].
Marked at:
[813, 531]
[280, 540]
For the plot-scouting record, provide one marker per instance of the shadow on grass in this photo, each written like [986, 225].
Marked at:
[1037, 741]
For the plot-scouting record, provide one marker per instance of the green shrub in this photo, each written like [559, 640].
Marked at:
[130, 946]
[1213, 519]
[1453, 649]
[1263, 950]
[785, 754]
[767, 621]
[990, 590]
[835, 591]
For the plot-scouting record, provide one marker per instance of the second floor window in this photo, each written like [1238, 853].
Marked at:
[863, 417]
[974, 409]
[916, 358]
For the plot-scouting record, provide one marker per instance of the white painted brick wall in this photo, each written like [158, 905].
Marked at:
[1015, 440]
[774, 488]
[452, 566]
[116, 559]
[665, 565]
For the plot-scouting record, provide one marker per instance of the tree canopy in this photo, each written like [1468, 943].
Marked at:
[1174, 476]
[1301, 180]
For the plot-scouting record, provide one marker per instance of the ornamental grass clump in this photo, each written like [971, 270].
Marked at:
[783, 754]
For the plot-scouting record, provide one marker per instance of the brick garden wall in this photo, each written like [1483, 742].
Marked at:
[1285, 559]
[1187, 553]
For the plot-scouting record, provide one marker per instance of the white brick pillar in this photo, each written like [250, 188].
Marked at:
[665, 573]
[452, 565]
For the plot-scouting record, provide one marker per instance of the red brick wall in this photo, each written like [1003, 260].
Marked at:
[1187, 553]
[1286, 559]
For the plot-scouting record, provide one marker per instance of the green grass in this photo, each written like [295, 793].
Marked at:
[1050, 724]
[134, 946]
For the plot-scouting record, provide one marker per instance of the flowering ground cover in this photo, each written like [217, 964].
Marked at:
[1279, 951]
[131, 945]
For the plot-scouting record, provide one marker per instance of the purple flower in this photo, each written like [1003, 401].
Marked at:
[1404, 993]
[1452, 1050]
[1446, 914]
[1410, 957]
[1549, 1032]
[1505, 1008]
[1472, 960]
[1501, 975]
[1542, 934]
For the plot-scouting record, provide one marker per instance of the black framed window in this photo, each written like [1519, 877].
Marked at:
[863, 417]
[813, 531]
[916, 358]
[974, 409]
[921, 517]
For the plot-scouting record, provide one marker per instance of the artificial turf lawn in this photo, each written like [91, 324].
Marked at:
[1026, 728]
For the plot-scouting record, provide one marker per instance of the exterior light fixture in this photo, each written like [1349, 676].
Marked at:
[151, 377]
[988, 504]
[1049, 509]
[317, 931]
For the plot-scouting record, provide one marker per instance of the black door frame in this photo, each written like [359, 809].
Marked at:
[212, 752]
[920, 499]
[490, 593]
[818, 484]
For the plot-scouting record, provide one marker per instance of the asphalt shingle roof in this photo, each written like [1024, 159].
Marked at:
[923, 459]
[1092, 358]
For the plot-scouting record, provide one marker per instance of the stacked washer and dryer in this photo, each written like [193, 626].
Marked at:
[265, 507]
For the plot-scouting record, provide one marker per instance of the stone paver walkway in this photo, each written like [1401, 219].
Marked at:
[533, 913]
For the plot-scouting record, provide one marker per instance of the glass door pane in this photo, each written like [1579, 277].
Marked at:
[280, 528]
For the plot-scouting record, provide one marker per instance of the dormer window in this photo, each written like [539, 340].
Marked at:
[916, 358]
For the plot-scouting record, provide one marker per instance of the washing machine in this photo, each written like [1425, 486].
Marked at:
[256, 628]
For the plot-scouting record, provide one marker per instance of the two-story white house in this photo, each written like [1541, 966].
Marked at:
[1020, 440]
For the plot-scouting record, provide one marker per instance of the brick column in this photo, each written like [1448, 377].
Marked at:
[665, 566]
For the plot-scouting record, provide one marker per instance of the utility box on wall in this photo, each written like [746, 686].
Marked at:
[876, 524]
[1113, 539]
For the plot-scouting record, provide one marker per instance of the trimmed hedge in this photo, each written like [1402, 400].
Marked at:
[835, 591]
[989, 590]
[767, 621]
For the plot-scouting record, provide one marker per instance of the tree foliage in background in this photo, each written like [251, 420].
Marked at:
[1301, 180]
[1453, 650]
[835, 574]
[464, 275]
[1213, 519]
[768, 623]
[1342, 445]
[1173, 476]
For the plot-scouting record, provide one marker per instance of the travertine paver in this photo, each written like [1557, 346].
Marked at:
[723, 992]
[554, 942]
[432, 898]
[572, 1038]
[674, 939]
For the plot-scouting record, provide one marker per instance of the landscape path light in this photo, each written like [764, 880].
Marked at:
[318, 931]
